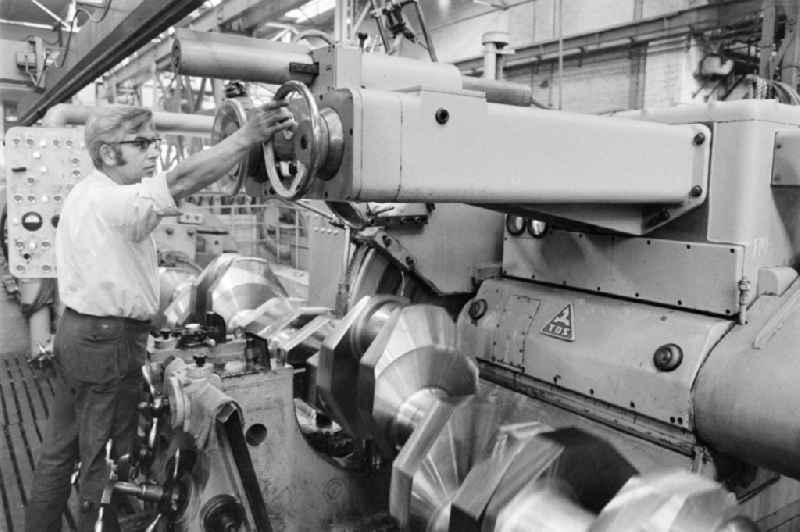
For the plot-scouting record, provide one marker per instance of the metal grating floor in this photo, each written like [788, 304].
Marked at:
[25, 397]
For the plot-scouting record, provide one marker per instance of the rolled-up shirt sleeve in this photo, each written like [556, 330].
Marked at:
[137, 209]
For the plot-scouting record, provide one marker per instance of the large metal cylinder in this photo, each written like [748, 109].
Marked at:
[747, 398]
[225, 56]
[217, 55]
[66, 114]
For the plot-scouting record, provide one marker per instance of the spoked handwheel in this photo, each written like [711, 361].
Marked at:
[307, 139]
[312, 150]
[229, 118]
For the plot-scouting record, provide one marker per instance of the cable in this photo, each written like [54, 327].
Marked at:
[65, 52]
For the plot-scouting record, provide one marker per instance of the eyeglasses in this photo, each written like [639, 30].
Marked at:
[142, 143]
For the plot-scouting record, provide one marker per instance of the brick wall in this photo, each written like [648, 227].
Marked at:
[661, 74]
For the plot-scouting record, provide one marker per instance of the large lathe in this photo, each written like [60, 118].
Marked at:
[631, 276]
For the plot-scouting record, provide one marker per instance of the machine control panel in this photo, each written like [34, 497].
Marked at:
[42, 166]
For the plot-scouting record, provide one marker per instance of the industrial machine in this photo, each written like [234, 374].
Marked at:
[545, 320]
[541, 320]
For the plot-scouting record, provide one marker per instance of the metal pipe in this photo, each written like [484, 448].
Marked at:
[66, 114]
[146, 492]
[219, 55]
[767, 44]
[490, 61]
[560, 54]
[500, 91]
[183, 123]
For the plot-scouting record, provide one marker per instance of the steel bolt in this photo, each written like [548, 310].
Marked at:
[667, 357]
[477, 309]
[699, 139]
[696, 191]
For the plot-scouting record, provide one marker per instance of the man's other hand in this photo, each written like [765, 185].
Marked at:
[267, 120]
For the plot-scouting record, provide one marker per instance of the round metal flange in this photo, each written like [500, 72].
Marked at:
[371, 320]
[410, 366]
[228, 119]
[223, 513]
[178, 406]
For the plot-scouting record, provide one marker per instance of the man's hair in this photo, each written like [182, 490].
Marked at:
[110, 124]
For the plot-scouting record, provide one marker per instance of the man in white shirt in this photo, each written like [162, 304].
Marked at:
[107, 277]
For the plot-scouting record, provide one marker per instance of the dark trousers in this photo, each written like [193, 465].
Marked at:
[98, 364]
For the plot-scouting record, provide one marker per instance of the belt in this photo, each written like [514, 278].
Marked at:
[125, 319]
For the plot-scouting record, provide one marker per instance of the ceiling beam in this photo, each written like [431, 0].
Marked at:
[128, 25]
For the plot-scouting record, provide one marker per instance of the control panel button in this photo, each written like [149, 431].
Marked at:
[44, 165]
[32, 221]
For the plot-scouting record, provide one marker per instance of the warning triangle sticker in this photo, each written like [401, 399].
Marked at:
[562, 325]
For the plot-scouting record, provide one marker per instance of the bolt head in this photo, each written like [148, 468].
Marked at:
[667, 357]
[477, 309]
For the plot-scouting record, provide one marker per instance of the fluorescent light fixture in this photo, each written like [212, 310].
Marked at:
[311, 9]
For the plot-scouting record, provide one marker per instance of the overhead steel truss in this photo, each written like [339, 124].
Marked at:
[97, 47]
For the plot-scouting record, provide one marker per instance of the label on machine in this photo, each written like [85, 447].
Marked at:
[42, 166]
[561, 325]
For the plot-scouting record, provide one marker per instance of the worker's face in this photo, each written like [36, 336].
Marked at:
[132, 157]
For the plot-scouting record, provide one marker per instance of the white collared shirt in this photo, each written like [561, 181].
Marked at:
[105, 251]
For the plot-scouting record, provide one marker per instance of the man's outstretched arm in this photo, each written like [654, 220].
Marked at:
[205, 167]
